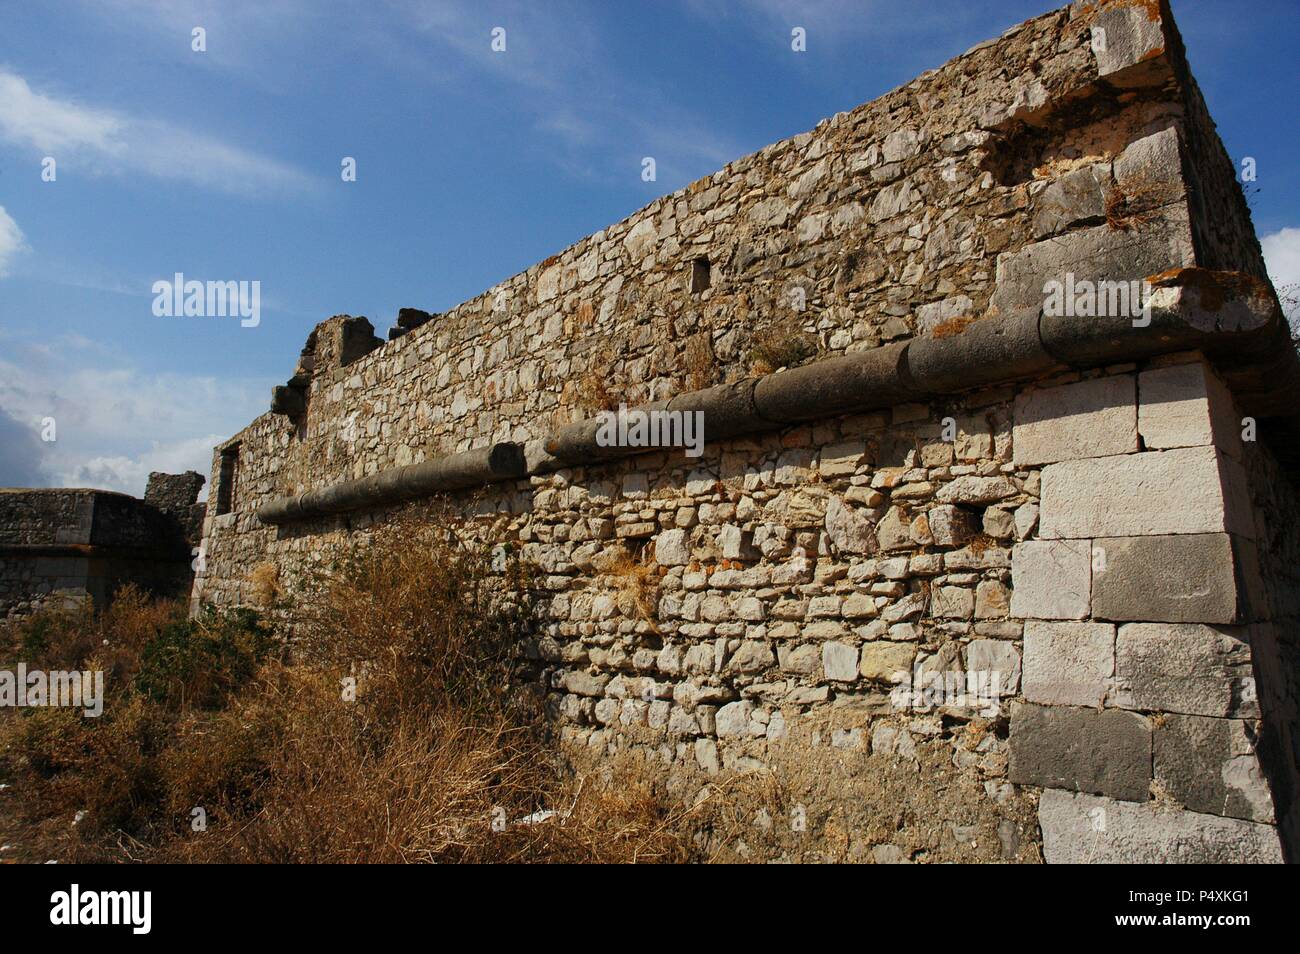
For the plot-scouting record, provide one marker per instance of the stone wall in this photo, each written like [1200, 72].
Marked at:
[997, 559]
[65, 545]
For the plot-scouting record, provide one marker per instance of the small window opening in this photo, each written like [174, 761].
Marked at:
[699, 275]
[228, 479]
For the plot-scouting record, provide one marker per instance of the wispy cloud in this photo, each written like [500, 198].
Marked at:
[11, 240]
[111, 143]
[113, 422]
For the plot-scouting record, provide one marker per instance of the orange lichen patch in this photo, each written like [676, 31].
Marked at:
[548, 262]
[953, 326]
[1214, 287]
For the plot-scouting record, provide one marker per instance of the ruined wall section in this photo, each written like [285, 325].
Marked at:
[63, 545]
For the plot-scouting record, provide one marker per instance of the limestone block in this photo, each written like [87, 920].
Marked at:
[1183, 578]
[1186, 405]
[991, 600]
[840, 662]
[752, 656]
[1149, 172]
[850, 530]
[673, 548]
[1183, 667]
[840, 460]
[1069, 664]
[1096, 254]
[970, 489]
[1079, 828]
[1094, 418]
[732, 719]
[1074, 197]
[951, 526]
[1157, 492]
[883, 661]
[1209, 765]
[952, 602]
[988, 656]
[1106, 751]
[1051, 579]
[1125, 36]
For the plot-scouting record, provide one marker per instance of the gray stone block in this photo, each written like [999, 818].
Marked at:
[1094, 418]
[1081, 829]
[1209, 765]
[1124, 38]
[1050, 579]
[1181, 578]
[1075, 197]
[1106, 751]
[1149, 172]
[1186, 405]
[1098, 254]
[1183, 667]
[1158, 492]
[1069, 664]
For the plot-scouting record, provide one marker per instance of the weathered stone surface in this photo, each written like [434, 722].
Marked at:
[1087, 829]
[850, 529]
[1095, 254]
[1157, 492]
[883, 661]
[733, 720]
[1075, 197]
[1182, 578]
[585, 683]
[1149, 172]
[1183, 667]
[992, 600]
[840, 662]
[1069, 664]
[975, 490]
[1093, 418]
[752, 656]
[894, 531]
[952, 602]
[1210, 765]
[988, 656]
[951, 526]
[1125, 36]
[1186, 405]
[673, 548]
[1051, 579]
[1106, 752]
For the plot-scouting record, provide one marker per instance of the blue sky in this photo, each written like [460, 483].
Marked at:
[471, 166]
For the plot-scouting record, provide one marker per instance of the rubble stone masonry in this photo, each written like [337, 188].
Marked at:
[1034, 573]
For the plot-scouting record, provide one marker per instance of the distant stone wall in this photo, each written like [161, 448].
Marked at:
[64, 545]
[954, 483]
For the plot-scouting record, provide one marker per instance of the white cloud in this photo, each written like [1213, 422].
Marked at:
[11, 240]
[1282, 256]
[113, 143]
[114, 423]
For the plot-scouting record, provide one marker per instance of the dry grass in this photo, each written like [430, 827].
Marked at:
[387, 732]
[637, 584]
[593, 391]
[700, 363]
[783, 345]
[265, 582]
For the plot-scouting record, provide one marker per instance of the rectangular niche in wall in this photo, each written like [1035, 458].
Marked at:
[699, 275]
[228, 479]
